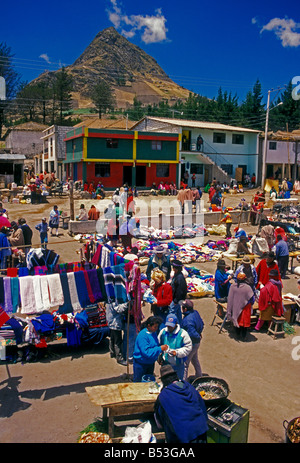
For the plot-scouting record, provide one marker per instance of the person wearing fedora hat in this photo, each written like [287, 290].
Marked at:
[270, 299]
[159, 260]
[239, 305]
[16, 238]
[248, 268]
[180, 410]
[193, 324]
[222, 281]
[178, 341]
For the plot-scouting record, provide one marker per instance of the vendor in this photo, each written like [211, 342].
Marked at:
[159, 260]
[242, 247]
[222, 281]
[249, 270]
[239, 305]
[180, 410]
[270, 299]
[264, 267]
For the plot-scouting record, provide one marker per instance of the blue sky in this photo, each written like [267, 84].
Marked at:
[200, 45]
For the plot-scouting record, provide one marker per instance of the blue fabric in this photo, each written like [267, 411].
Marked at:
[82, 319]
[221, 289]
[67, 305]
[147, 348]
[193, 324]
[81, 287]
[182, 412]
[140, 369]
[43, 323]
[18, 329]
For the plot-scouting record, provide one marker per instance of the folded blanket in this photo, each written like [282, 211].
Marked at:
[73, 293]
[27, 295]
[55, 290]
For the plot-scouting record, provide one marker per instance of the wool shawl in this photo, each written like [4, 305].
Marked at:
[238, 297]
[14, 285]
[82, 291]
[66, 307]
[27, 294]
[94, 282]
[56, 294]
[73, 292]
[89, 288]
[270, 295]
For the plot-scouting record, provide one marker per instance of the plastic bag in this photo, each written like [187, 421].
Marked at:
[141, 434]
[148, 297]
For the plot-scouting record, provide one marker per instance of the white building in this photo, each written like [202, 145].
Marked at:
[226, 152]
[53, 154]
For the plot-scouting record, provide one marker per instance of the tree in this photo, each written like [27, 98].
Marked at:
[287, 115]
[62, 87]
[12, 80]
[252, 109]
[102, 97]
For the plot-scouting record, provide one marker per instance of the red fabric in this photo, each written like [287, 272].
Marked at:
[263, 271]
[245, 316]
[280, 231]
[3, 317]
[89, 288]
[269, 295]
[12, 272]
[163, 294]
[4, 222]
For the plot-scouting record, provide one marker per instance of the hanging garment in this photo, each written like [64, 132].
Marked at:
[82, 291]
[27, 295]
[1, 292]
[55, 290]
[36, 281]
[23, 271]
[14, 285]
[89, 288]
[109, 280]
[73, 293]
[120, 283]
[45, 292]
[7, 296]
[66, 307]
[12, 272]
[101, 283]
[3, 317]
[95, 286]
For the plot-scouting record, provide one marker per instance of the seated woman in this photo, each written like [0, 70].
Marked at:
[222, 281]
[270, 299]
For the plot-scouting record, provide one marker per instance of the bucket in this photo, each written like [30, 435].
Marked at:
[148, 379]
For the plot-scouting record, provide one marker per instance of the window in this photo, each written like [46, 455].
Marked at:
[102, 169]
[219, 137]
[272, 145]
[156, 145]
[228, 168]
[162, 170]
[111, 143]
[197, 169]
[237, 139]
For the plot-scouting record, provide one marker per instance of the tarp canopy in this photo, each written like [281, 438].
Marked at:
[271, 183]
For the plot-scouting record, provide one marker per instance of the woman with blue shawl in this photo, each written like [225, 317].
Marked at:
[222, 281]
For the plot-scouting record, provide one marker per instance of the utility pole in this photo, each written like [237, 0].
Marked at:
[71, 201]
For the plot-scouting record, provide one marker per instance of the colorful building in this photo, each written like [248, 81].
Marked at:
[115, 157]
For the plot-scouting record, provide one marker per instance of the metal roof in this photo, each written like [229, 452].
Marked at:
[12, 157]
[199, 124]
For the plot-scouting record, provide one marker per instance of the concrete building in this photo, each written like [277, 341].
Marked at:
[53, 151]
[226, 152]
[115, 157]
[25, 138]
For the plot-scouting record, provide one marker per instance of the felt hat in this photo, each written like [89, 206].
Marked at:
[159, 249]
[246, 260]
[274, 273]
[188, 304]
[171, 320]
[166, 370]
[176, 263]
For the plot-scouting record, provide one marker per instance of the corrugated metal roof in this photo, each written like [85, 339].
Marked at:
[96, 123]
[12, 157]
[200, 124]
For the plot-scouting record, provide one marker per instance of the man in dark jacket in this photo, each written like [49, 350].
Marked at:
[193, 324]
[179, 289]
[159, 260]
[180, 410]
[27, 233]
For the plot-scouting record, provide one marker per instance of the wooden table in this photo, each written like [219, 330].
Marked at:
[235, 260]
[122, 399]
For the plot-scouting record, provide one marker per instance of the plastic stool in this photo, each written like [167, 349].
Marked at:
[276, 326]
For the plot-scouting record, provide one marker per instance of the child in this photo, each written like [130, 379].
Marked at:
[43, 229]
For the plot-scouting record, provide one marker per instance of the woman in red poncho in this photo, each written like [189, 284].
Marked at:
[270, 299]
[263, 269]
[239, 305]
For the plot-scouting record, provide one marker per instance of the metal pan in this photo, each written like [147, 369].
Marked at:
[212, 385]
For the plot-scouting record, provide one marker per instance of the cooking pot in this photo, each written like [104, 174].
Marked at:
[211, 384]
[288, 426]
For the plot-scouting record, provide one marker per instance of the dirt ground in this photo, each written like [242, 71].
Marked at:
[46, 401]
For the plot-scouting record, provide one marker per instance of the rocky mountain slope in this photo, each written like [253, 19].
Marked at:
[129, 70]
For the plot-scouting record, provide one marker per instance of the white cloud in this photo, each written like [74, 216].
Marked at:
[285, 30]
[153, 27]
[45, 57]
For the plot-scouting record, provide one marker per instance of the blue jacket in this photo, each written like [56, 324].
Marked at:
[181, 411]
[146, 348]
[193, 324]
[282, 249]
